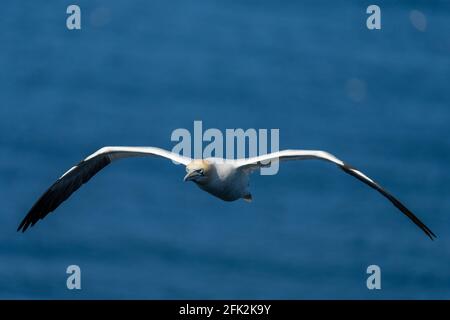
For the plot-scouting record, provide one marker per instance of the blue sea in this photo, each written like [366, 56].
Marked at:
[137, 70]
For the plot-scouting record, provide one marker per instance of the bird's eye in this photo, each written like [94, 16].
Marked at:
[201, 171]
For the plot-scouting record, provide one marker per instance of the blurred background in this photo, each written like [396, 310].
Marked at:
[140, 69]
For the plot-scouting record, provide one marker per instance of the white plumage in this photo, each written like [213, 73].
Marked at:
[223, 178]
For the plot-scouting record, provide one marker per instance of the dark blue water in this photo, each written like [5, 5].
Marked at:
[140, 69]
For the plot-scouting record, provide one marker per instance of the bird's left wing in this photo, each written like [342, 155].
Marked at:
[264, 160]
[74, 178]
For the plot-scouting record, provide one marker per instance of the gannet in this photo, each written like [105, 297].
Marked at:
[227, 179]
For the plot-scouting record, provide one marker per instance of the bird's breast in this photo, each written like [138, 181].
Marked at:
[228, 186]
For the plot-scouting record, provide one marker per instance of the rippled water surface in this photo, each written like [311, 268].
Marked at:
[140, 69]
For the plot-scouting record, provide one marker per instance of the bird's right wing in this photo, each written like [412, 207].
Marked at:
[74, 178]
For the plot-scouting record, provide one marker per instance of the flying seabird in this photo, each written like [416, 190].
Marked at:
[226, 179]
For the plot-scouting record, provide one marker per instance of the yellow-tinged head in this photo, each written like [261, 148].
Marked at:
[198, 170]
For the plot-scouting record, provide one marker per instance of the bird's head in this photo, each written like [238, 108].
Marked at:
[197, 171]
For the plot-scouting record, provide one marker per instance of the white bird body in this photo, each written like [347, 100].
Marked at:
[223, 178]
[227, 181]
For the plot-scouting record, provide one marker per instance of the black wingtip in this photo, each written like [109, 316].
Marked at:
[19, 228]
[23, 226]
[355, 173]
[61, 190]
[431, 235]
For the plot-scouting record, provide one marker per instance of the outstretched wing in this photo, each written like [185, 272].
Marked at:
[257, 162]
[78, 175]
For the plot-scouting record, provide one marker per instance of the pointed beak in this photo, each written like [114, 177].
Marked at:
[191, 176]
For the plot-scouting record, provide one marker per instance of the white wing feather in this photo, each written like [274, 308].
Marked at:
[80, 174]
[254, 163]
